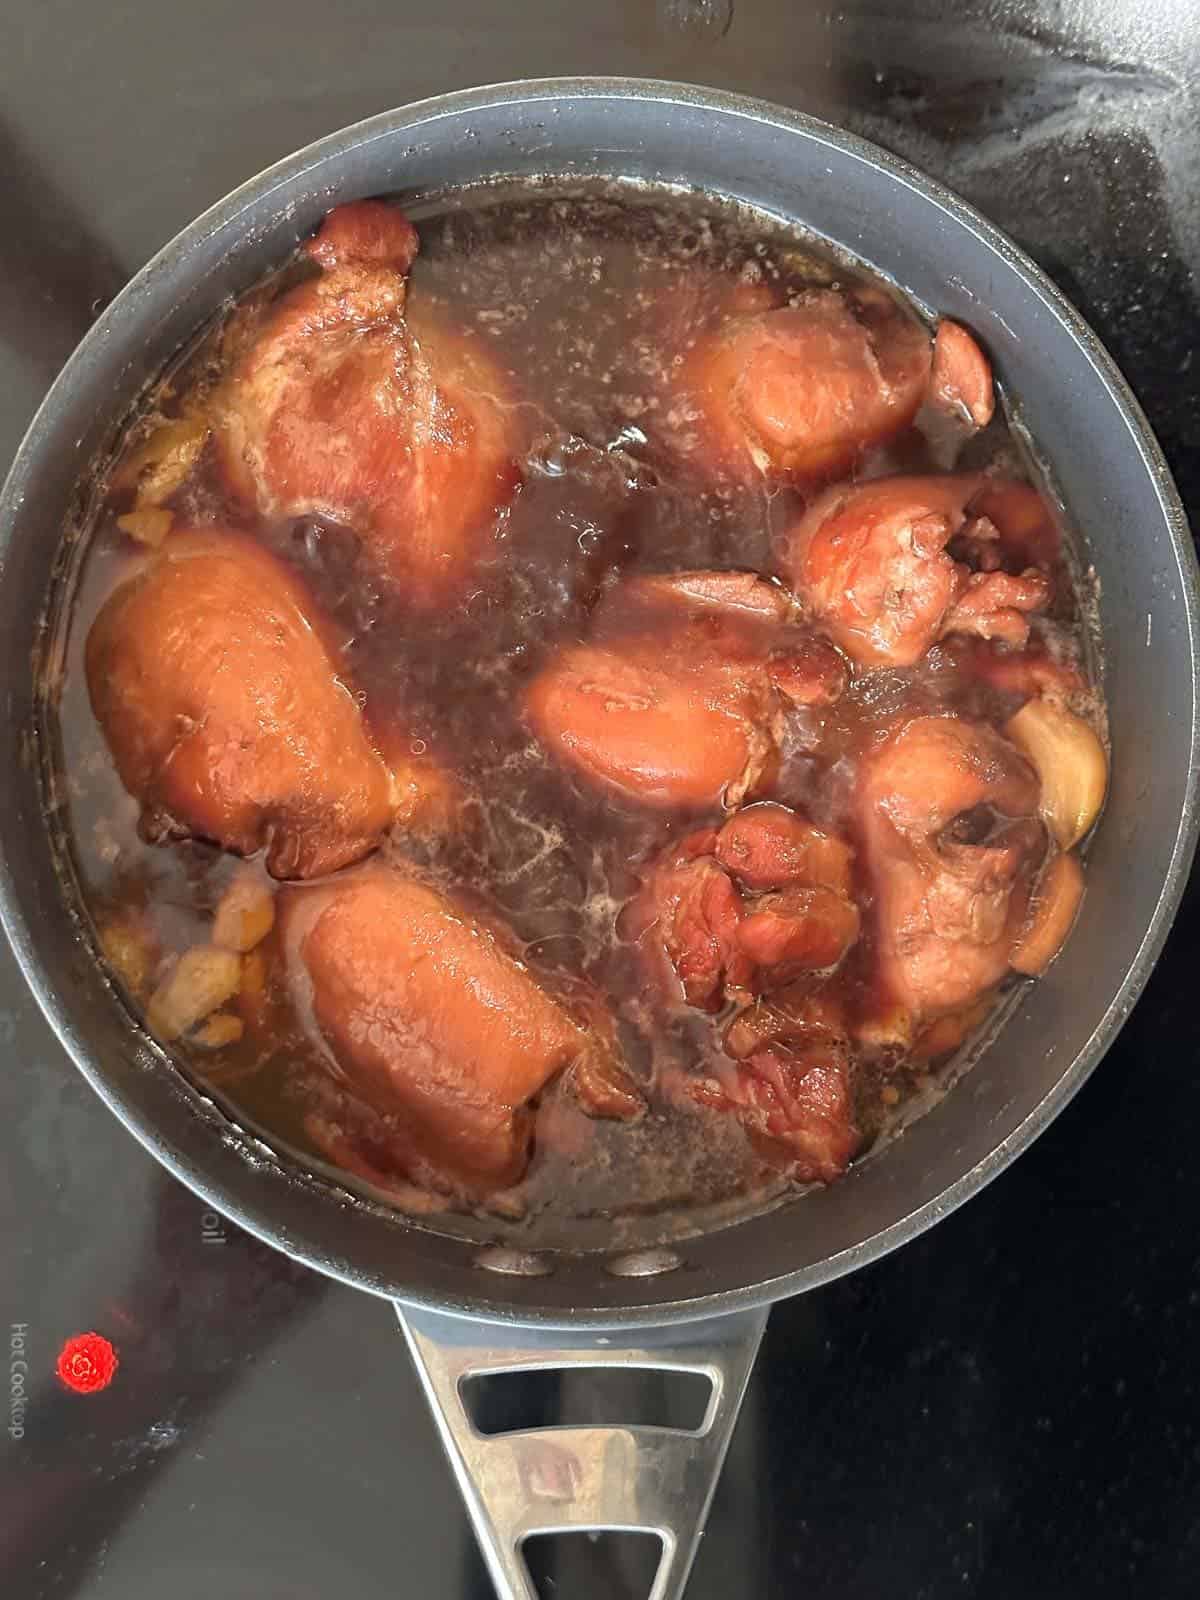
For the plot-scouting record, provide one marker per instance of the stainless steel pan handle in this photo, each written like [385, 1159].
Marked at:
[564, 1479]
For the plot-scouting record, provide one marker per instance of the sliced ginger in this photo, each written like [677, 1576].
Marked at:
[163, 460]
[149, 527]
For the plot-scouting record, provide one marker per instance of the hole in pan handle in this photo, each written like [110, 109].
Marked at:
[551, 1480]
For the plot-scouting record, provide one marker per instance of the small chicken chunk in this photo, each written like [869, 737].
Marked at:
[690, 912]
[997, 605]
[674, 699]
[789, 912]
[1020, 522]
[949, 815]
[961, 377]
[343, 407]
[432, 1022]
[797, 930]
[802, 390]
[796, 1102]
[225, 711]
[1018, 675]
[789, 1083]
[809, 672]
[870, 561]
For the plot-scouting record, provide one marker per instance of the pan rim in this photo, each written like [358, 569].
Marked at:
[225, 213]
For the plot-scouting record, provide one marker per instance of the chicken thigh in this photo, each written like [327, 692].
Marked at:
[953, 843]
[674, 699]
[432, 1021]
[343, 407]
[871, 563]
[800, 391]
[225, 711]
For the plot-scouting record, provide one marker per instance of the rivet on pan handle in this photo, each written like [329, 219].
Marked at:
[567, 1479]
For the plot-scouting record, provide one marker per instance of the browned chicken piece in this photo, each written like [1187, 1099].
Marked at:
[672, 701]
[871, 562]
[226, 713]
[1019, 674]
[949, 818]
[668, 735]
[342, 408]
[689, 912]
[996, 605]
[795, 1100]
[435, 1024]
[802, 390]
[715, 941]
[789, 1082]
[1020, 522]
[961, 377]
[799, 913]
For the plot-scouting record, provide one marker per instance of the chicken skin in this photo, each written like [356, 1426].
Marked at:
[343, 407]
[225, 711]
[689, 913]
[433, 1023]
[953, 843]
[795, 1101]
[871, 563]
[766, 846]
[673, 700]
[801, 391]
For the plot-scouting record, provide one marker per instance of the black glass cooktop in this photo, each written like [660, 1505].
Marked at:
[1008, 1407]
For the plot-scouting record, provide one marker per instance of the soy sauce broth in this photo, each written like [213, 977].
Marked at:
[586, 296]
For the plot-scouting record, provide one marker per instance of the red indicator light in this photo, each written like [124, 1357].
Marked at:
[87, 1363]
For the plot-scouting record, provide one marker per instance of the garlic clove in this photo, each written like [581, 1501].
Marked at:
[1052, 914]
[1070, 762]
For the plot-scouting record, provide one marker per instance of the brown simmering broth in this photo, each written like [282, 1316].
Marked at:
[587, 297]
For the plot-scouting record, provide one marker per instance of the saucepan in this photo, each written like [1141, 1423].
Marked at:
[695, 1304]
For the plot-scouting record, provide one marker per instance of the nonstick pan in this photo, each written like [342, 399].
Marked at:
[697, 1303]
